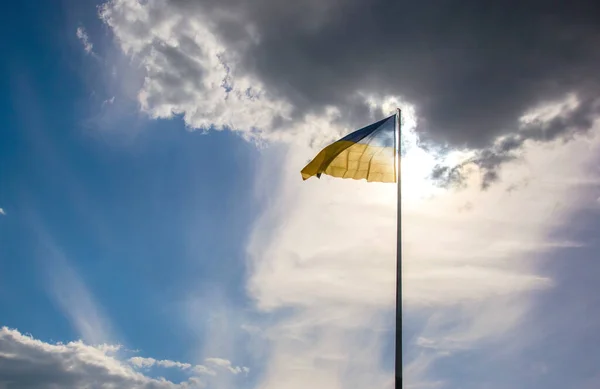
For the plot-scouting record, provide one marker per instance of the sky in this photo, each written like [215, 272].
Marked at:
[155, 231]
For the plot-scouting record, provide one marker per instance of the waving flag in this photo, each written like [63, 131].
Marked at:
[368, 153]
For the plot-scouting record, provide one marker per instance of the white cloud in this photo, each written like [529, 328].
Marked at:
[224, 363]
[201, 369]
[85, 40]
[173, 364]
[2, 212]
[145, 363]
[188, 71]
[141, 362]
[26, 362]
[218, 361]
[109, 101]
[325, 248]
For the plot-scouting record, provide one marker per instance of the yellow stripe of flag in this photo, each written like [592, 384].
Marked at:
[368, 153]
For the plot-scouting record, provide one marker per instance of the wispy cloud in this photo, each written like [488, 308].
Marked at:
[226, 364]
[85, 40]
[77, 302]
[2, 212]
[220, 340]
[141, 362]
[145, 363]
[108, 101]
[68, 290]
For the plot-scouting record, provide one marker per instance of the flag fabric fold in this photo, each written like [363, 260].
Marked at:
[368, 153]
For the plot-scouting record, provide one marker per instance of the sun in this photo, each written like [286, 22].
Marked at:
[417, 163]
[416, 169]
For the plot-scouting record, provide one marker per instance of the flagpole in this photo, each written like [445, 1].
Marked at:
[398, 366]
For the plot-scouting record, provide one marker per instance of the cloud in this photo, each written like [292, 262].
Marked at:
[201, 369]
[185, 64]
[2, 212]
[224, 363]
[29, 363]
[323, 253]
[140, 362]
[108, 101]
[563, 118]
[261, 69]
[68, 290]
[85, 40]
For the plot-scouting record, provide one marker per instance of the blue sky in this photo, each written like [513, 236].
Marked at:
[154, 222]
[145, 225]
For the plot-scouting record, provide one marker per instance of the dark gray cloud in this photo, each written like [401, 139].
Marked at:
[490, 159]
[471, 67]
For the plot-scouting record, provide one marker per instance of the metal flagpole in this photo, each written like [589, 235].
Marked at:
[398, 256]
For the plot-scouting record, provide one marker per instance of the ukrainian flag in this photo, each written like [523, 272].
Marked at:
[368, 153]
